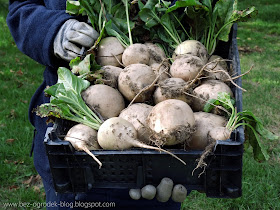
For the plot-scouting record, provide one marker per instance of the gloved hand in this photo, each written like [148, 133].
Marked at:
[163, 192]
[71, 39]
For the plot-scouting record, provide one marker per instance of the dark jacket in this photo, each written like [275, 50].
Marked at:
[34, 25]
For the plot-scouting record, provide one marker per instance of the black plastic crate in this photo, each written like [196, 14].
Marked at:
[75, 171]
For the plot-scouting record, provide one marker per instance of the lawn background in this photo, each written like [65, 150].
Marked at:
[259, 45]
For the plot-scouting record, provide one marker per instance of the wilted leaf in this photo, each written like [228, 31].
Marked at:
[10, 141]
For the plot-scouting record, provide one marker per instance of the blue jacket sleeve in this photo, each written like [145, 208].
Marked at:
[33, 27]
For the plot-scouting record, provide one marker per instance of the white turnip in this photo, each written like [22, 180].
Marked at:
[160, 69]
[106, 100]
[137, 115]
[83, 138]
[172, 122]
[192, 47]
[133, 79]
[111, 75]
[110, 52]
[136, 53]
[204, 122]
[219, 133]
[209, 89]
[186, 67]
[119, 134]
[157, 54]
[171, 88]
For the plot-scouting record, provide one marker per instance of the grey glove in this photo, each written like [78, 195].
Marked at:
[72, 38]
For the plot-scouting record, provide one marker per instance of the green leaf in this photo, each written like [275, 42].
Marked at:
[74, 8]
[70, 81]
[81, 67]
[184, 4]
[259, 150]
[210, 105]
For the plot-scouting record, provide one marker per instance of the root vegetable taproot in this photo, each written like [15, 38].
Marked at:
[110, 52]
[136, 53]
[191, 47]
[119, 134]
[133, 79]
[100, 97]
[186, 67]
[209, 89]
[204, 123]
[171, 88]
[83, 138]
[172, 122]
[137, 115]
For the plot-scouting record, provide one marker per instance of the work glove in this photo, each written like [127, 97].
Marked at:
[72, 39]
[163, 192]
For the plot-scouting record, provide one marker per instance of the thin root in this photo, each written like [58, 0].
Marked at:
[149, 86]
[201, 161]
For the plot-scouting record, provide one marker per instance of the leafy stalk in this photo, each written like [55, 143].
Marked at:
[66, 100]
[252, 124]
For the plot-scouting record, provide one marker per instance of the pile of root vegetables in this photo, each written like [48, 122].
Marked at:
[127, 94]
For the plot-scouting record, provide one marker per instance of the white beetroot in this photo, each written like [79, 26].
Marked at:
[171, 88]
[119, 134]
[186, 67]
[83, 138]
[100, 97]
[136, 53]
[137, 115]
[133, 79]
[204, 123]
[109, 52]
[191, 47]
[172, 122]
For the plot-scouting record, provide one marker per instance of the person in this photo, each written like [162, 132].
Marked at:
[47, 34]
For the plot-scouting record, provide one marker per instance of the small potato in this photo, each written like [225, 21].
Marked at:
[164, 190]
[136, 53]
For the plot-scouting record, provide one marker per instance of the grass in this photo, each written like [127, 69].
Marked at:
[19, 78]
[259, 42]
